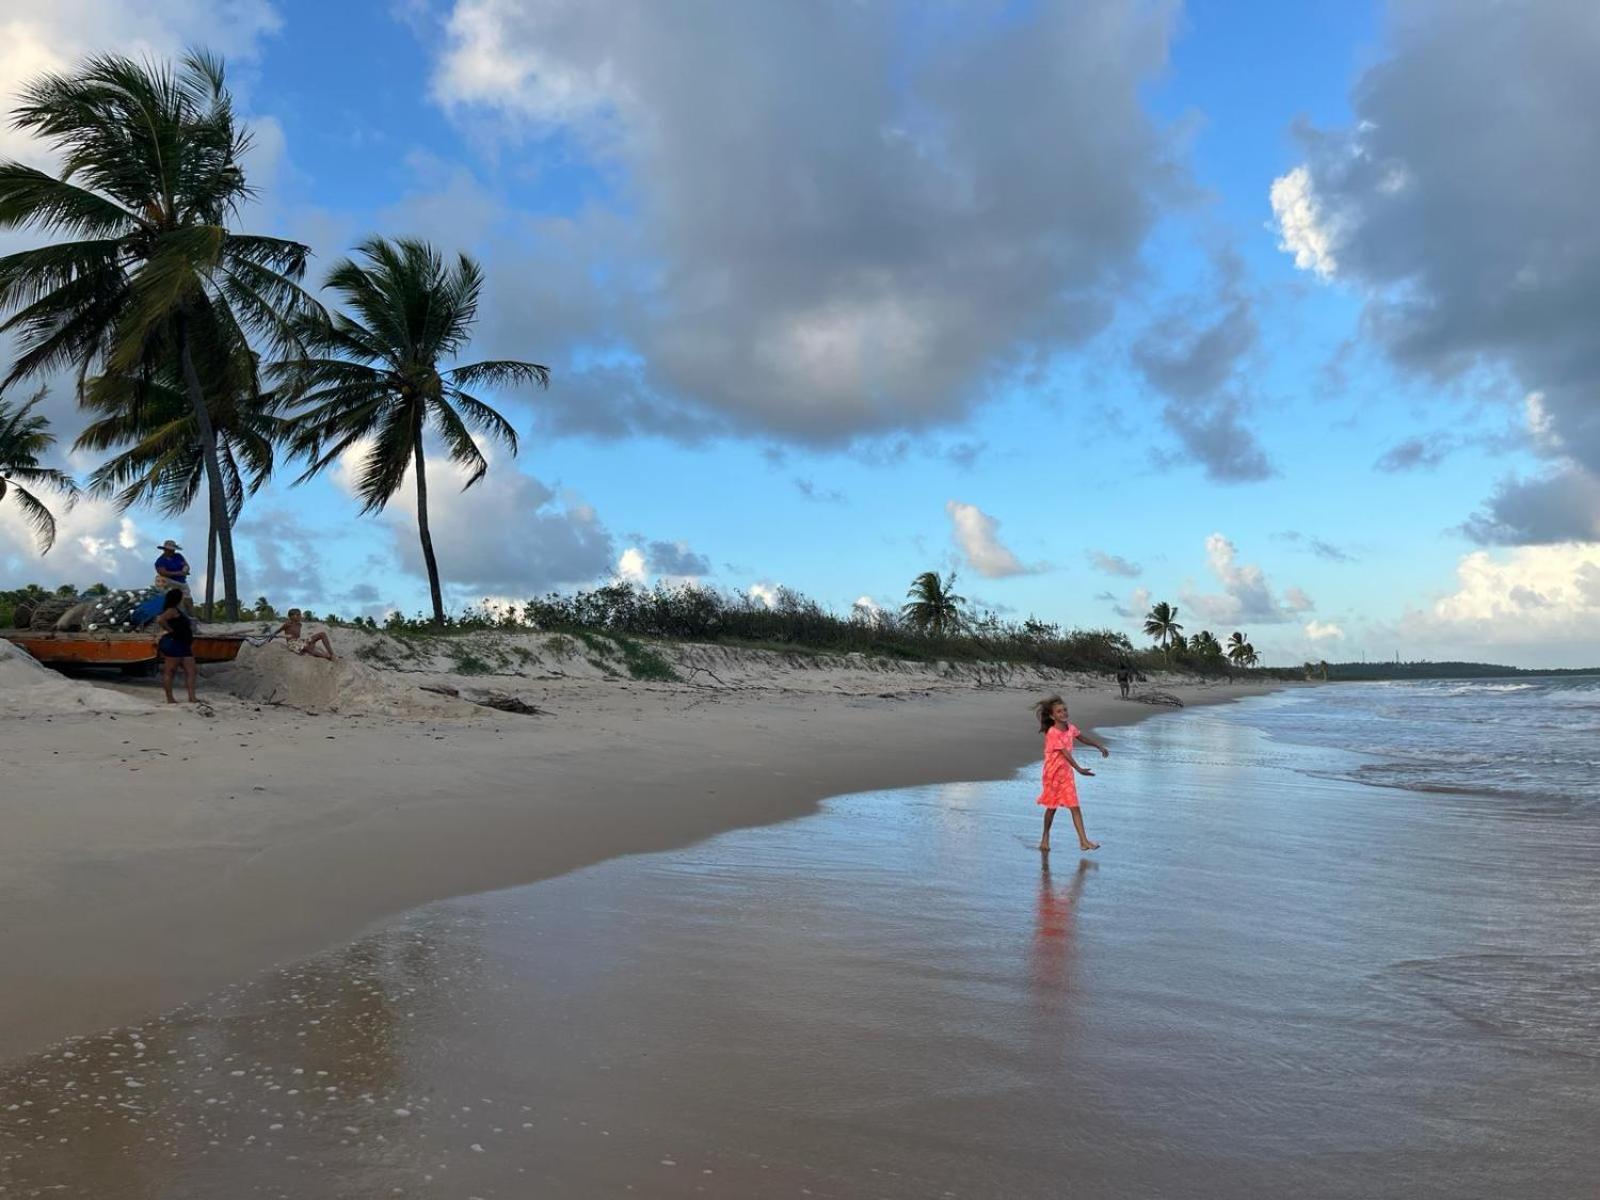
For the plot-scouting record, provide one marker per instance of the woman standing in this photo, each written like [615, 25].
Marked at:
[177, 643]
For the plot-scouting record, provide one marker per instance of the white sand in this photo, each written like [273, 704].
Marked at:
[29, 688]
[154, 852]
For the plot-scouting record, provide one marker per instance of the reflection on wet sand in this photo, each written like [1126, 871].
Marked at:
[891, 1000]
[1053, 932]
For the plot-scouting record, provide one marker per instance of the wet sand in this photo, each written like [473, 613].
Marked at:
[150, 859]
[1268, 983]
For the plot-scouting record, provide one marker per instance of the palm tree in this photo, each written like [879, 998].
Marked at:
[150, 177]
[1161, 623]
[24, 437]
[1239, 648]
[376, 376]
[1205, 644]
[160, 462]
[934, 607]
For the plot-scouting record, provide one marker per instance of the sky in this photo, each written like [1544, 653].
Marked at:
[1283, 314]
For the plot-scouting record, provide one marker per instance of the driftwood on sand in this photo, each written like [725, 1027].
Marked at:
[1163, 698]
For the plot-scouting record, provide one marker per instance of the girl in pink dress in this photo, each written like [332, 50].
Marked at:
[1060, 788]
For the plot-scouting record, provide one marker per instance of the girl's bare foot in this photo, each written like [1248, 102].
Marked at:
[1088, 845]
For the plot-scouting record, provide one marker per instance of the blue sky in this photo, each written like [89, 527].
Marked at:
[997, 288]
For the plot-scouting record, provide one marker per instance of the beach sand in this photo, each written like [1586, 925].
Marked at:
[1272, 981]
[155, 854]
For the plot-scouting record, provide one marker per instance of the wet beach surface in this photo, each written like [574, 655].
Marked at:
[1272, 980]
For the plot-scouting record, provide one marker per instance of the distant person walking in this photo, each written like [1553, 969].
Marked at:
[1124, 679]
[177, 643]
[172, 571]
[1060, 788]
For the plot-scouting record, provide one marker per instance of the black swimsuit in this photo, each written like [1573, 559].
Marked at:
[178, 641]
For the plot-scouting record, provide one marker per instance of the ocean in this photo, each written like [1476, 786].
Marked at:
[1340, 942]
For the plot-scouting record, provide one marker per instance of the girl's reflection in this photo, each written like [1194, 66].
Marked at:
[1054, 925]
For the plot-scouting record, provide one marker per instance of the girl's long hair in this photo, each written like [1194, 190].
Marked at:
[172, 599]
[1042, 711]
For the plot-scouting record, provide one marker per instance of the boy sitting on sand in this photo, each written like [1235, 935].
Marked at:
[293, 640]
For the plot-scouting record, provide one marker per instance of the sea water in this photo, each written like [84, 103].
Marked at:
[1341, 942]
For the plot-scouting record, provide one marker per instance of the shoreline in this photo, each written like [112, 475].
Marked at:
[155, 858]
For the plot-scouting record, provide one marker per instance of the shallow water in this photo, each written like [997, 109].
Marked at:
[1273, 980]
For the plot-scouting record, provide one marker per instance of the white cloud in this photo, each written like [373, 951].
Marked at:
[1302, 225]
[977, 536]
[508, 533]
[1114, 564]
[94, 544]
[865, 606]
[53, 36]
[1531, 593]
[763, 593]
[1246, 594]
[631, 565]
[1321, 631]
[816, 261]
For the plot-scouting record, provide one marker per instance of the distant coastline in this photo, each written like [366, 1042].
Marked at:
[1377, 672]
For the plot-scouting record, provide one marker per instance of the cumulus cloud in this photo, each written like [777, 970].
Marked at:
[969, 187]
[94, 544]
[631, 567]
[1246, 596]
[508, 534]
[977, 536]
[1191, 355]
[1563, 506]
[1529, 598]
[1114, 564]
[1458, 201]
[1322, 631]
[53, 36]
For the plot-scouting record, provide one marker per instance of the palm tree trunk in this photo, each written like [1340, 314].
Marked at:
[211, 570]
[214, 490]
[422, 528]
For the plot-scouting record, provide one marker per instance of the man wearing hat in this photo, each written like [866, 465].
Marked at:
[172, 571]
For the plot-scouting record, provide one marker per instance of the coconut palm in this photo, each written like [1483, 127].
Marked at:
[24, 437]
[933, 604]
[374, 375]
[152, 424]
[1205, 644]
[1239, 648]
[150, 177]
[1161, 623]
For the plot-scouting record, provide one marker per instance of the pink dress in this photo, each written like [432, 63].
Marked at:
[1060, 788]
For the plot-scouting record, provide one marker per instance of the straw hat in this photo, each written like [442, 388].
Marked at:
[169, 544]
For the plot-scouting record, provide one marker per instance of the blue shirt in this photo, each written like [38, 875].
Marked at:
[176, 564]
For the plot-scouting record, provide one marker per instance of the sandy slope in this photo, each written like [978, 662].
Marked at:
[154, 853]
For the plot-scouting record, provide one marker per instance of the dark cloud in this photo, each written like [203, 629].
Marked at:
[1192, 356]
[1114, 564]
[1563, 506]
[1188, 360]
[964, 454]
[1214, 435]
[1461, 199]
[1416, 453]
[1317, 546]
[675, 558]
[971, 187]
[811, 491]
